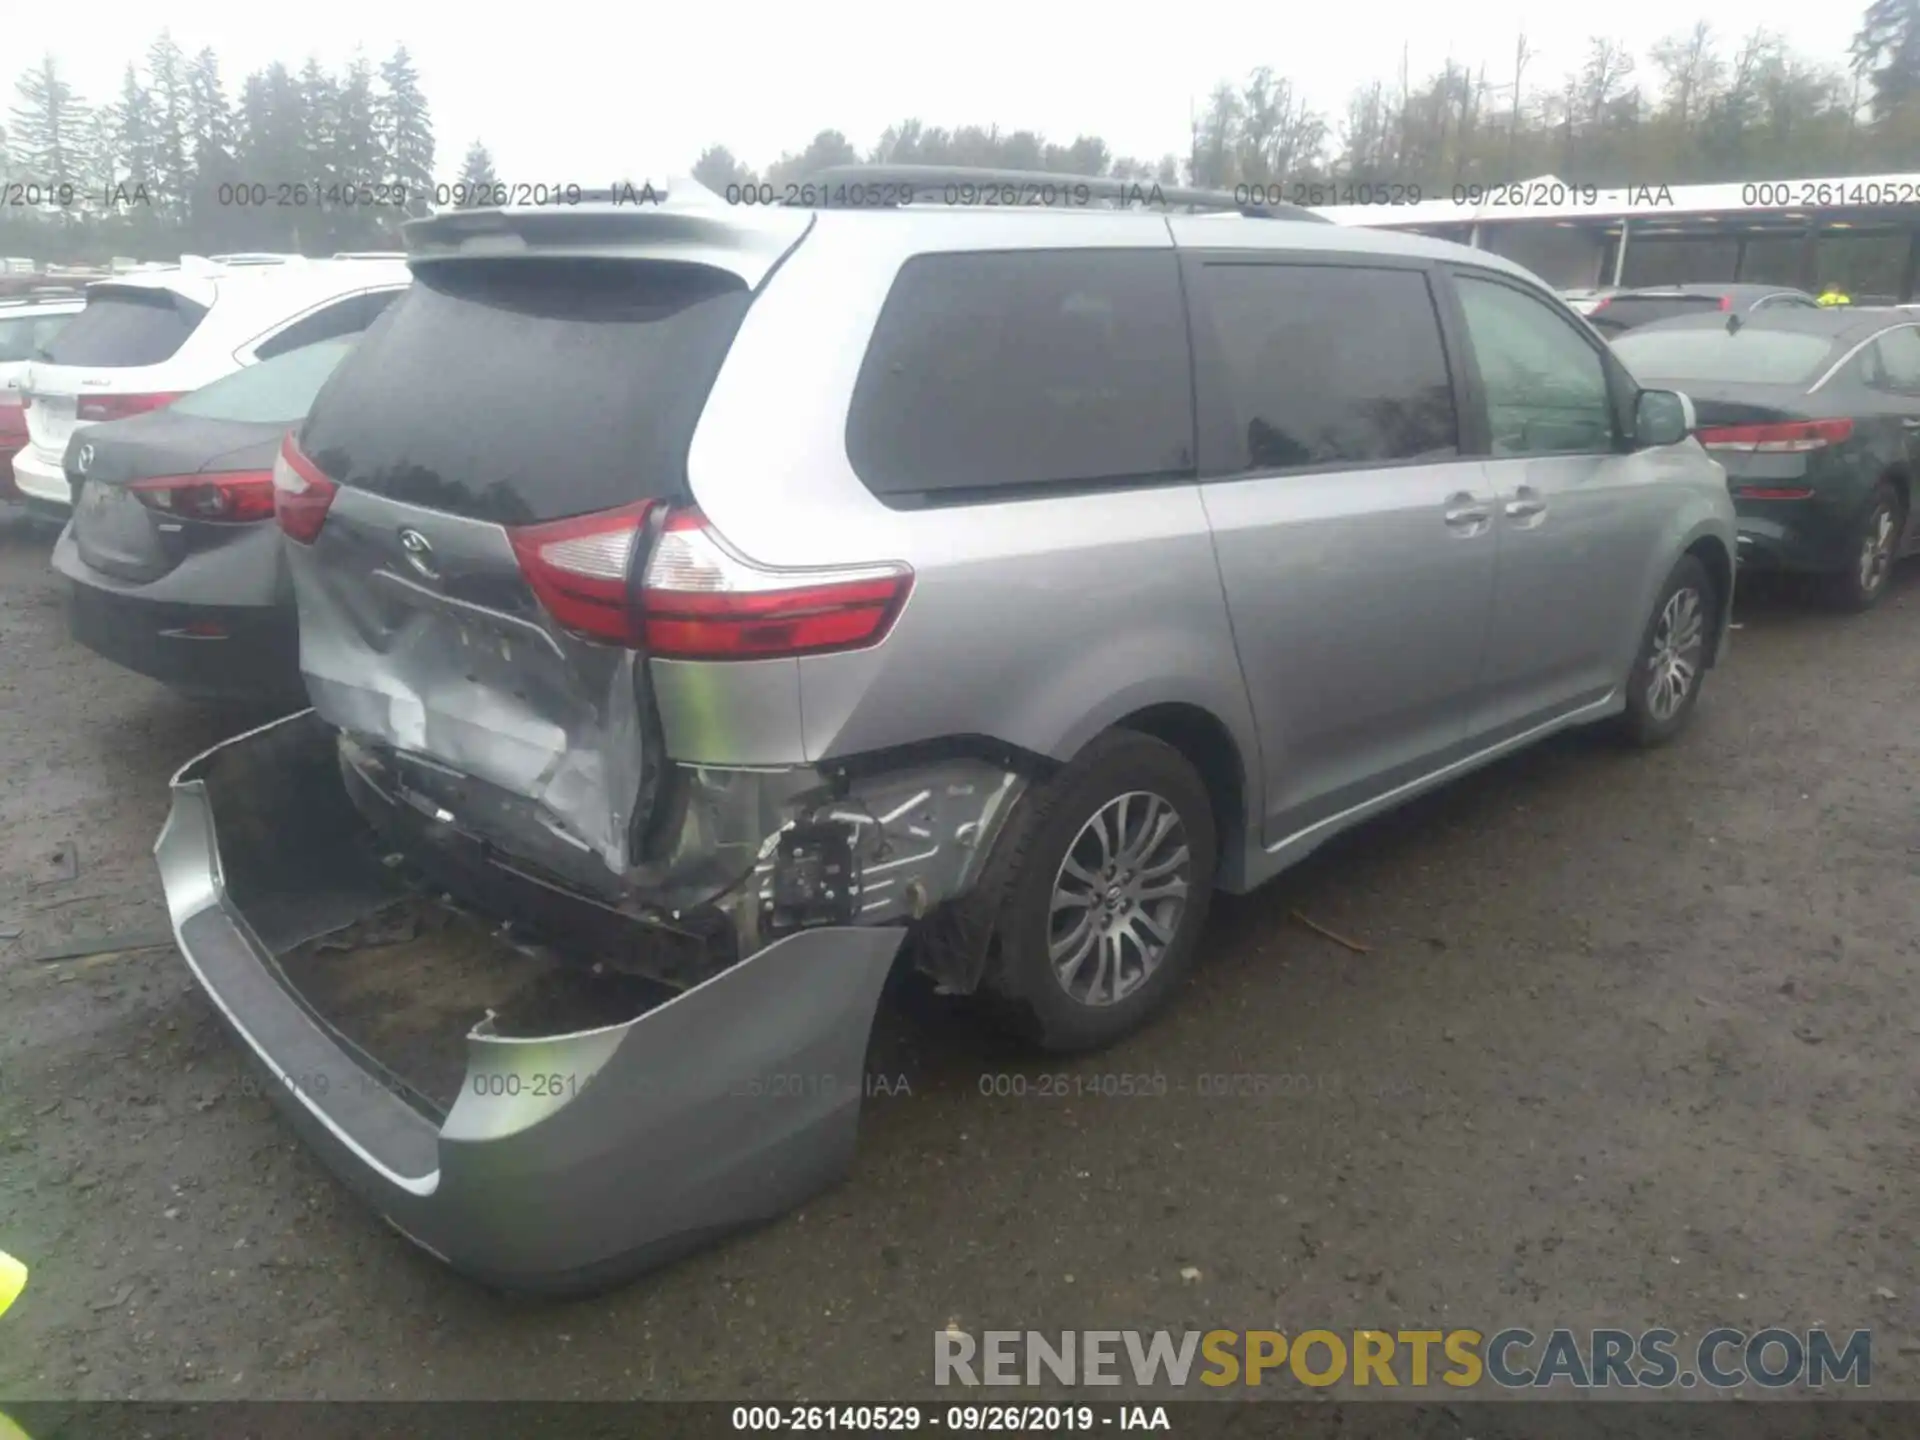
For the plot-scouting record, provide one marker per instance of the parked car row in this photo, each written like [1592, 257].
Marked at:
[1815, 415]
[705, 602]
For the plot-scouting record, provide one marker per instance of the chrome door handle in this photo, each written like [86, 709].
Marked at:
[1521, 509]
[1465, 516]
[1911, 424]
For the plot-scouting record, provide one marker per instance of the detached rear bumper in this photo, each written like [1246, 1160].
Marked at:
[567, 1162]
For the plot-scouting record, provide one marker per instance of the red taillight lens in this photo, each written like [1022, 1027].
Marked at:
[579, 569]
[119, 407]
[1601, 304]
[237, 495]
[301, 494]
[699, 600]
[1726, 302]
[704, 602]
[1773, 492]
[1793, 438]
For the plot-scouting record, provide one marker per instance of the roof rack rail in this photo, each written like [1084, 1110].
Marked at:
[936, 182]
[368, 255]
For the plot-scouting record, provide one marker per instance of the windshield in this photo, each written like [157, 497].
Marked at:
[1746, 357]
[276, 391]
[127, 327]
[524, 390]
[22, 335]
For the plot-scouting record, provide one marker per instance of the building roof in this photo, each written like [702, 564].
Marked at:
[1894, 197]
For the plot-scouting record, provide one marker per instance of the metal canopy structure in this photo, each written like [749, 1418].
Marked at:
[1611, 220]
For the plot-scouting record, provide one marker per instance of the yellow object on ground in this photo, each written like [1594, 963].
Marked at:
[11, 1431]
[13, 1279]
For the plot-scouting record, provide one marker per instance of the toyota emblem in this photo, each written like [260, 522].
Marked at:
[419, 553]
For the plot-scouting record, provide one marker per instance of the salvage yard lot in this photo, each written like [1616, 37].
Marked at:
[1635, 1041]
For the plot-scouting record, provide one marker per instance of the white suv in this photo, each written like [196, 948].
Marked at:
[147, 338]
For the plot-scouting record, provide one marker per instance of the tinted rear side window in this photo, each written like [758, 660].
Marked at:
[125, 328]
[994, 374]
[518, 390]
[1328, 365]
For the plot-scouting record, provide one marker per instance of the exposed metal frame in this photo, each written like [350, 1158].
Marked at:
[935, 180]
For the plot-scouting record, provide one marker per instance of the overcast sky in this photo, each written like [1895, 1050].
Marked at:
[584, 94]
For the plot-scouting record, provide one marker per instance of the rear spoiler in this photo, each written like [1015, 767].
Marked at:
[680, 220]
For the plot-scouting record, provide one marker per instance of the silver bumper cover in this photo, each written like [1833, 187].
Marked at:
[567, 1162]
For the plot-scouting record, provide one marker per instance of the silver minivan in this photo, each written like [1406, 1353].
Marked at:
[703, 605]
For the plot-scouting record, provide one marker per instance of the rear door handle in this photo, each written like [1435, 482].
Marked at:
[1911, 424]
[1526, 504]
[1466, 513]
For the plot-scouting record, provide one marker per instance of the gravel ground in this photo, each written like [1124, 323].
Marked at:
[1632, 1044]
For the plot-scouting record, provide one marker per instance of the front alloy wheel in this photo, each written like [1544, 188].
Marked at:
[1679, 640]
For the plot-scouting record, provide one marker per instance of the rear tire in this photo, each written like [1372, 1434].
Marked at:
[1106, 873]
[1663, 688]
[1876, 541]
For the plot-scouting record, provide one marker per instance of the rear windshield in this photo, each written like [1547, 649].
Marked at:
[21, 336]
[1624, 311]
[124, 328]
[518, 390]
[277, 391]
[1749, 356]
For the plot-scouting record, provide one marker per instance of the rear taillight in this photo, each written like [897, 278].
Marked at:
[703, 601]
[237, 495]
[1793, 438]
[1726, 302]
[1774, 492]
[119, 407]
[580, 569]
[699, 599]
[1601, 304]
[301, 494]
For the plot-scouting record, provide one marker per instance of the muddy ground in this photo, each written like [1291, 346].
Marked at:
[1634, 1042]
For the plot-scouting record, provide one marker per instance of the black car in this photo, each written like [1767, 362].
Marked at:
[172, 549]
[1625, 310]
[1815, 414]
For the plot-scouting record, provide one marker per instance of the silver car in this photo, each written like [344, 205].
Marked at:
[703, 605]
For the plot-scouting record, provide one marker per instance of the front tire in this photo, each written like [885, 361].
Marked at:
[1663, 688]
[1876, 541]
[1107, 875]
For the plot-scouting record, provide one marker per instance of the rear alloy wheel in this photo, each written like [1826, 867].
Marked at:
[1875, 544]
[1665, 684]
[1108, 874]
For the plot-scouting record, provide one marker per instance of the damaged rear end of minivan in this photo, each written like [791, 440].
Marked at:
[559, 1000]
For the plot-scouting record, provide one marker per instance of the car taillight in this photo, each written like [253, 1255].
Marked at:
[1601, 304]
[301, 494]
[698, 599]
[1774, 492]
[1792, 438]
[702, 601]
[119, 407]
[1726, 302]
[235, 495]
[579, 569]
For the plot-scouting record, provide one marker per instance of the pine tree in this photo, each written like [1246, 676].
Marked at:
[172, 147]
[476, 176]
[51, 128]
[405, 128]
[210, 140]
[1887, 49]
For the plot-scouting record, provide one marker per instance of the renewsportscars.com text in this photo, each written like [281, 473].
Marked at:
[1513, 1359]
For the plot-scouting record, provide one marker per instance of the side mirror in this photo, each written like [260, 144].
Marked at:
[1662, 417]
